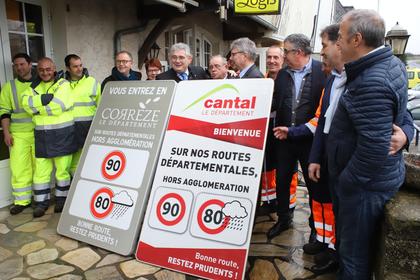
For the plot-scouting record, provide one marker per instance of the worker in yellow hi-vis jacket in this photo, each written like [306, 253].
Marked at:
[49, 101]
[18, 131]
[86, 94]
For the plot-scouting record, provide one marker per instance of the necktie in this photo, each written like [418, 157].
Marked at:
[184, 76]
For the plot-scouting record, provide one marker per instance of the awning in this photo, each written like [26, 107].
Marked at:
[263, 22]
[179, 4]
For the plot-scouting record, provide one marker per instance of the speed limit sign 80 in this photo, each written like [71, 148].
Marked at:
[101, 203]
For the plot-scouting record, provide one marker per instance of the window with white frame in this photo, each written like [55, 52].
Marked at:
[25, 28]
[203, 47]
[206, 53]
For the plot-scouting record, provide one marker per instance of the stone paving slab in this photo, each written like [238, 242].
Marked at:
[32, 249]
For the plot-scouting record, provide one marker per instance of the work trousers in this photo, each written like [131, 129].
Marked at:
[42, 179]
[75, 162]
[322, 209]
[22, 160]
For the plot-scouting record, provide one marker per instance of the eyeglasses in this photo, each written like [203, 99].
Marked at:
[122, 62]
[233, 53]
[45, 70]
[286, 51]
[180, 58]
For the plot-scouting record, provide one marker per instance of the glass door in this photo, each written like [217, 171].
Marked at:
[24, 27]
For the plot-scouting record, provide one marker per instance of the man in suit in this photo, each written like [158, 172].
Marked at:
[181, 58]
[218, 67]
[243, 53]
[297, 92]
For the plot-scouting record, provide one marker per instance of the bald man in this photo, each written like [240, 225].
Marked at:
[49, 102]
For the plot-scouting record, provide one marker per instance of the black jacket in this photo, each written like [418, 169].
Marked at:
[253, 72]
[194, 73]
[296, 113]
[134, 76]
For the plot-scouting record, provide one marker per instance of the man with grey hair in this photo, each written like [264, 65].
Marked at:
[218, 67]
[180, 58]
[243, 53]
[297, 91]
[363, 173]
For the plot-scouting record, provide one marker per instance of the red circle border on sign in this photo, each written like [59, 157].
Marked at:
[181, 215]
[203, 227]
[111, 154]
[92, 203]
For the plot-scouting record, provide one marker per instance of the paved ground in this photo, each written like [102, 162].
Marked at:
[31, 249]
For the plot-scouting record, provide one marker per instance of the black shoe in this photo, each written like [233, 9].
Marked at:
[59, 205]
[312, 236]
[326, 261]
[325, 256]
[16, 209]
[278, 228]
[265, 209]
[39, 212]
[314, 248]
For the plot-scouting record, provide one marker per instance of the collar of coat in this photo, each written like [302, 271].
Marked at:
[354, 68]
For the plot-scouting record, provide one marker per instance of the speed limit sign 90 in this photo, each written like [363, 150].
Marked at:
[113, 165]
[171, 209]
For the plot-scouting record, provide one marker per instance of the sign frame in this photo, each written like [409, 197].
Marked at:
[257, 7]
[110, 189]
[221, 172]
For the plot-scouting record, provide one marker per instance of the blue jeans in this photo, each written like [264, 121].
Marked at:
[358, 221]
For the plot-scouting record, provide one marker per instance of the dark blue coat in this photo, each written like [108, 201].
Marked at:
[318, 151]
[360, 134]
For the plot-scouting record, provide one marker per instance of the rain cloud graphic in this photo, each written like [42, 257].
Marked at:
[234, 210]
[237, 213]
[122, 202]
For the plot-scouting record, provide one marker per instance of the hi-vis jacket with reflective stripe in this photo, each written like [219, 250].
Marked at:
[11, 105]
[86, 94]
[54, 123]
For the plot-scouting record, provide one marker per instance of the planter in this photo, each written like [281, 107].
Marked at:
[412, 176]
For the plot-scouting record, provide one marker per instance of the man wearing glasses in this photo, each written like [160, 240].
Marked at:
[243, 53]
[122, 70]
[181, 58]
[297, 91]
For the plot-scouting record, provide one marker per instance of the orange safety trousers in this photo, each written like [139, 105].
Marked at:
[268, 187]
[324, 222]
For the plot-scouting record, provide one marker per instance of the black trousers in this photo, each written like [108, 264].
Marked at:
[288, 153]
